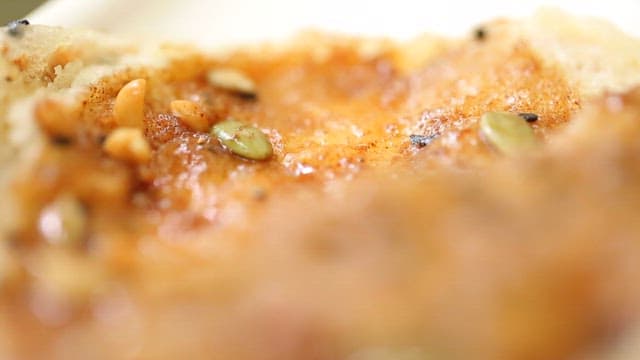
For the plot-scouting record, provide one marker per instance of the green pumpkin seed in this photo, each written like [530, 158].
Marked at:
[242, 139]
[508, 133]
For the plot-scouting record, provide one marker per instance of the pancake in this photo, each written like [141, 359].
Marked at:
[378, 202]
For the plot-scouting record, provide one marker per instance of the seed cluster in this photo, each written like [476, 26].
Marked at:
[127, 141]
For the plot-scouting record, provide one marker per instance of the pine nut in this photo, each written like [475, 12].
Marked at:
[128, 144]
[190, 114]
[128, 109]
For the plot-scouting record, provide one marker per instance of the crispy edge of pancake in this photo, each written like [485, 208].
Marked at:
[594, 55]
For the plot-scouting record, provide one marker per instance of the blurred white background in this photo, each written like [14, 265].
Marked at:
[221, 22]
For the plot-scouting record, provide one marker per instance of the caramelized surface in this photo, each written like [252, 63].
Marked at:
[350, 240]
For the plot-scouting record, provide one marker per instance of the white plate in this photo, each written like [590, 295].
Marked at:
[223, 22]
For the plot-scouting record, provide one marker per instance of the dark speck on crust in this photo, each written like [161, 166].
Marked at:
[529, 117]
[259, 194]
[480, 33]
[16, 27]
[421, 140]
[247, 96]
[61, 140]
[101, 138]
